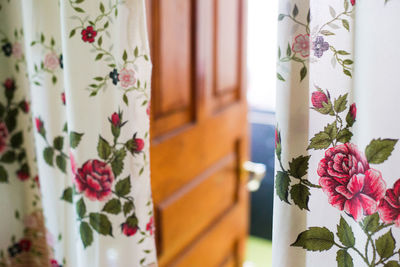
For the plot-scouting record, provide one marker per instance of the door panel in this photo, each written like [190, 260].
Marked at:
[198, 131]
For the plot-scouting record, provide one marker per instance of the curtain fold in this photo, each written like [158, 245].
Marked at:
[74, 146]
[337, 184]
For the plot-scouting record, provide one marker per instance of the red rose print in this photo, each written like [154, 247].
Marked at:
[150, 226]
[51, 61]
[88, 34]
[39, 124]
[128, 230]
[25, 244]
[342, 162]
[115, 119]
[127, 77]
[22, 175]
[302, 45]
[9, 84]
[318, 98]
[389, 207]
[360, 195]
[95, 179]
[3, 136]
[353, 2]
[148, 110]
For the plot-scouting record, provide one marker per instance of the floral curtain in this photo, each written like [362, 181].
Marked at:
[337, 185]
[74, 134]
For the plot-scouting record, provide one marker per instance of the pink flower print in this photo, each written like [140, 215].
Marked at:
[127, 77]
[51, 61]
[302, 45]
[17, 50]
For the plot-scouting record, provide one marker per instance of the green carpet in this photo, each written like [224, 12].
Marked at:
[258, 252]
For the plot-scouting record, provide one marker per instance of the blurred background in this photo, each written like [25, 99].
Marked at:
[262, 34]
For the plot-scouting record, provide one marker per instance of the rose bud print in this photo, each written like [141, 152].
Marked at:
[9, 84]
[51, 61]
[389, 207]
[115, 119]
[148, 110]
[318, 98]
[24, 105]
[37, 181]
[95, 179]
[127, 77]
[114, 76]
[3, 136]
[351, 116]
[130, 227]
[88, 34]
[7, 49]
[63, 98]
[150, 226]
[353, 2]
[40, 126]
[22, 175]
[73, 162]
[25, 244]
[128, 230]
[301, 45]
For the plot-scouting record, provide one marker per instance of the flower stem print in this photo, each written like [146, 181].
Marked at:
[51, 63]
[13, 48]
[11, 139]
[122, 73]
[53, 152]
[313, 40]
[351, 185]
[97, 180]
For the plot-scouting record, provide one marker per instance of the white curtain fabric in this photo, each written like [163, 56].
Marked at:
[74, 134]
[337, 200]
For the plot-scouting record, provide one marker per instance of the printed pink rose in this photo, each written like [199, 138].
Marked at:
[51, 61]
[150, 226]
[3, 136]
[115, 119]
[353, 111]
[17, 50]
[318, 98]
[302, 45]
[148, 110]
[342, 162]
[389, 207]
[358, 196]
[128, 230]
[127, 77]
[353, 2]
[95, 179]
[139, 145]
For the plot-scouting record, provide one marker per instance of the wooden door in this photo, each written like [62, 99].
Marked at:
[199, 131]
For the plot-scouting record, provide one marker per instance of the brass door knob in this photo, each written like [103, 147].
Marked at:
[256, 172]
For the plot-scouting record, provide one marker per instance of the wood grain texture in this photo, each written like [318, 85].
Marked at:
[199, 131]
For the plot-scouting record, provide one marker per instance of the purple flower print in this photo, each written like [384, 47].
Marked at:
[319, 46]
